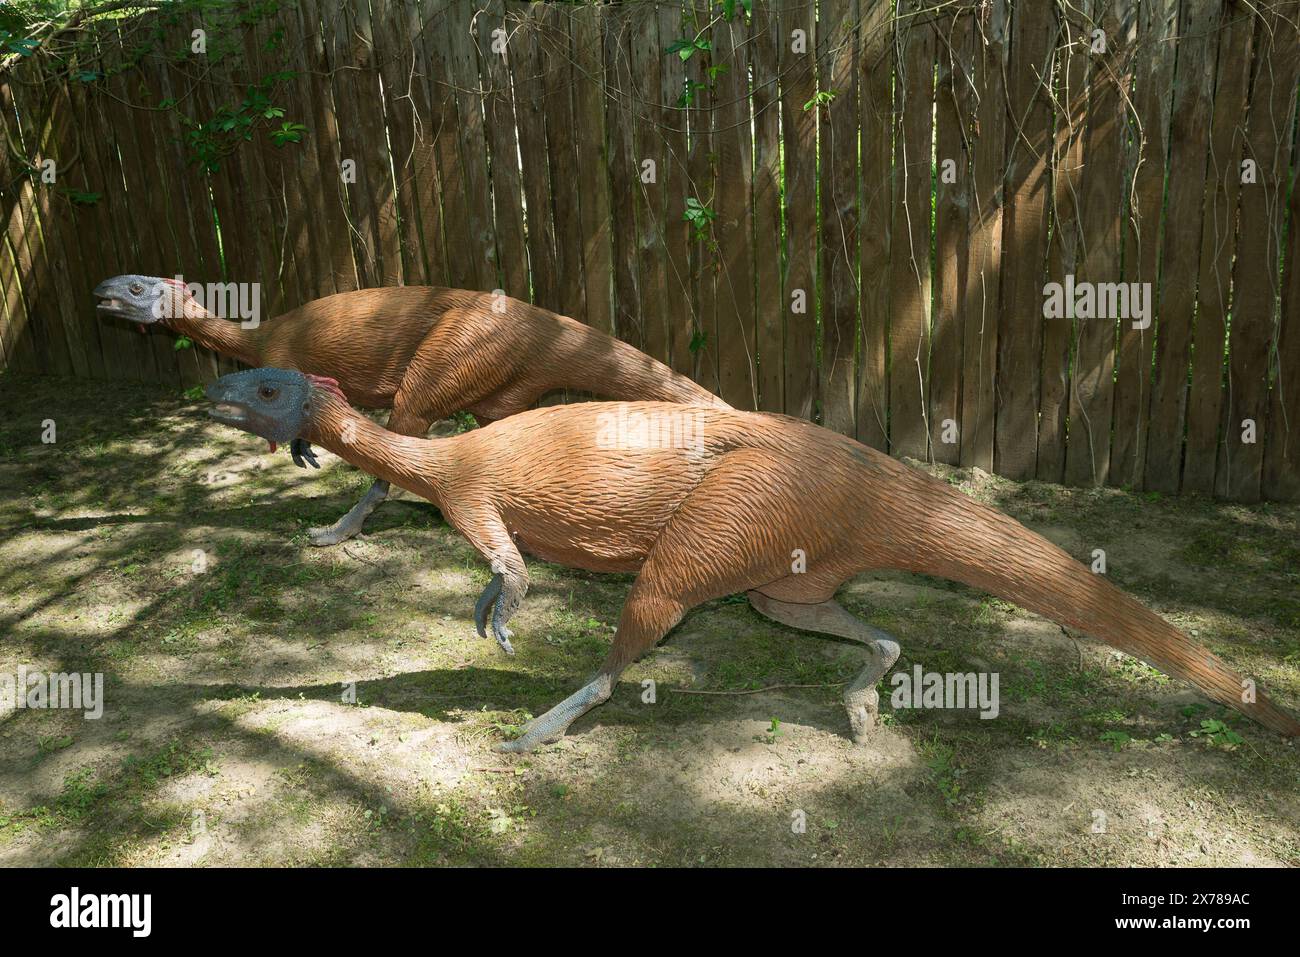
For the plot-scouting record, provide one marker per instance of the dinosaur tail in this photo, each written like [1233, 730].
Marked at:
[985, 549]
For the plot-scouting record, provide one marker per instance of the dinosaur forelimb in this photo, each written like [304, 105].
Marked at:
[551, 726]
[303, 454]
[351, 523]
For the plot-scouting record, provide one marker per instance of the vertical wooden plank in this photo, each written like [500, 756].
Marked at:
[981, 295]
[1189, 139]
[1065, 251]
[129, 129]
[909, 298]
[1029, 135]
[702, 171]
[875, 119]
[1087, 460]
[620, 117]
[1255, 280]
[318, 63]
[47, 130]
[503, 144]
[16, 341]
[395, 54]
[648, 144]
[952, 102]
[799, 152]
[1156, 53]
[28, 334]
[674, 174]
[837, 54]
[526, 75]
[126, 350]
[769, 304]
[1281, 477]
[47, 329]
[461, 246]
[481, 232]
[734, 147]
[593, 201]
[1218, 243]
[562, 157]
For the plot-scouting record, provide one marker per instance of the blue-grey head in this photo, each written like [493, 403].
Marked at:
[144, 300]
[276, 404]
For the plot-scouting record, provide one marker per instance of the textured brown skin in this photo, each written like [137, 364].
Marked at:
[426, 352]
[698, 525]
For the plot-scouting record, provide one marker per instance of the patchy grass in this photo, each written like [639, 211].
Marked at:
[271, 703]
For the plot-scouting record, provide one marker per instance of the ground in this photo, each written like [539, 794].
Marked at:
[269, 703]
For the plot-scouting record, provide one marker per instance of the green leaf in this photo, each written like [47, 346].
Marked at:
[697, 341]
[183, 342]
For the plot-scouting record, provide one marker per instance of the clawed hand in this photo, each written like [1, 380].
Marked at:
[302, 453]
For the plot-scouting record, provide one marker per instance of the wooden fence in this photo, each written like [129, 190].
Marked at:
[849, 210]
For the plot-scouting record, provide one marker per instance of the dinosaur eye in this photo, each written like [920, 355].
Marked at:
[268, 392]
[137, 288]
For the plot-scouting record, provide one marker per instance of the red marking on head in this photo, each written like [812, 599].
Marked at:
[326, 383]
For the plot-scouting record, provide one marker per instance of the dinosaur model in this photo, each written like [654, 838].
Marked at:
[705, 502]
[422, 351]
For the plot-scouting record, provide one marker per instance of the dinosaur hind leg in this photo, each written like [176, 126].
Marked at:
[403, 423]
[699, 555]
[828, 617]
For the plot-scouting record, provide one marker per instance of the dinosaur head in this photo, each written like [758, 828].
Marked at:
[144, 300]
[277, 404]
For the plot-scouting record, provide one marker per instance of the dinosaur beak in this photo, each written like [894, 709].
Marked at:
[109, 304]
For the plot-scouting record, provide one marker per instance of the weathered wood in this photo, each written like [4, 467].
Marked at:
[444, 119]
[1281, 475]
[507, 194]
[1155, 55]
[733, 146]
[769, 306]
[837, 54]
[481, 231]
[981, 295]
[316, 52]
[952, 102]
[875, 121]
[1255, 280]
[1020, 333]
[16, 350]
[1189, 139]
[649, 147]
[619, 120]
[799, 142]
[1066, 249]
[562, 158]
[1087, 460]
[526, 76]
[593, 203]
[909, 296]
[674, 182]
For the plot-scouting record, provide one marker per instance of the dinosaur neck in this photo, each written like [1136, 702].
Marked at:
[409, 463]
[222, 336]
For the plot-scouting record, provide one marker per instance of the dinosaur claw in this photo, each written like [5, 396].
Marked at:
[303, 454]
[484, 602]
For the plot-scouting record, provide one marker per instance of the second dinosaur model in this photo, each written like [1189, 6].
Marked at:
[707, 502]
[424, 352]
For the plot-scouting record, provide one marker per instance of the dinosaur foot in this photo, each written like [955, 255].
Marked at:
[550, 727]
[322, 536]
[864, 715]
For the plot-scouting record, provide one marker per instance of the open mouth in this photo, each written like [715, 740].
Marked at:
[110, 305]
[228, 412]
